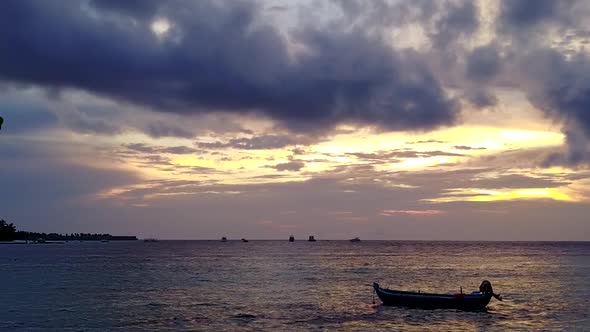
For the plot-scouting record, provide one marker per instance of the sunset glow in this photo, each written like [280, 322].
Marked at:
[214, 116]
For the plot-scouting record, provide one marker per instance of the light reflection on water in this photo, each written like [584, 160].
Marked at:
[277, 285]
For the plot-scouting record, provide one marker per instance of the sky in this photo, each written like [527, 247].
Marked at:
[402, 120]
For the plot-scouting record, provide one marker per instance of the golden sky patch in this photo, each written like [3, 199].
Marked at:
[488, 195]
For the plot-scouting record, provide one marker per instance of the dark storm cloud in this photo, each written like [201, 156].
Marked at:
[531, 21]
[383, 13]
[578, 150]
[483, 63]
[218, 56]
[459, 20]
[141, 8]
[481, 98]
[525, 13]
[556, 80]
[560, 87]
[447, 25]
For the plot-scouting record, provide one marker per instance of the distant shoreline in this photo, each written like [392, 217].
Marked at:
[41, 241]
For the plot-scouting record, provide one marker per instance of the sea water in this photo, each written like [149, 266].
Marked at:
[282, 286]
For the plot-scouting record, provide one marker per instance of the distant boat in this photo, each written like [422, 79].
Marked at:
[311, 238]
[224, 239]
[104, 240]
[356, 239]
[150, 240]
[474, 301]
[291, 238]
[244, 240]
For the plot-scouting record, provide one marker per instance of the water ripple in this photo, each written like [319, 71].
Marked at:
[281, 286]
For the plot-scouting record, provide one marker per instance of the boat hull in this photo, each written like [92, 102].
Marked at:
[471, 302]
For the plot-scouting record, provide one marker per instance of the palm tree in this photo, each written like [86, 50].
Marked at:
[7, 231]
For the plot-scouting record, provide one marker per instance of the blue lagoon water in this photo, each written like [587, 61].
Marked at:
[282, 286]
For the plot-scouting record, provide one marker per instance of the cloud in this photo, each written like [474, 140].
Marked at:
[160, 129]
[144, 148]
[44, 173]
[291, 166]
[397, 155]
[389, 213]
[21, 118]
[560, 87]
[84, 124]
[278, 8]
[137, 8]
[578, 150]
[518, 14]
[465, 147]
[155, 160]
[483, 63]
[516, 181]
[246, 68]
[459, 20]
[179, 150]
[404, 194]
[481, 98]
[543, 23]
[397, 65]
[263, 142]
[427, 141]
[383, 13]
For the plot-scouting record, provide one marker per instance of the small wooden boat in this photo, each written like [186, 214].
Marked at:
[244, 240]
[356, 239]
[472, 302]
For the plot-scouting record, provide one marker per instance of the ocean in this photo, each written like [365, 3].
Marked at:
[282, 286]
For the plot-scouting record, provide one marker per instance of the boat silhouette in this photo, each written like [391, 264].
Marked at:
[473, 301]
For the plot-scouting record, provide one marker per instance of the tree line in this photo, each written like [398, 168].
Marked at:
[8, 232]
